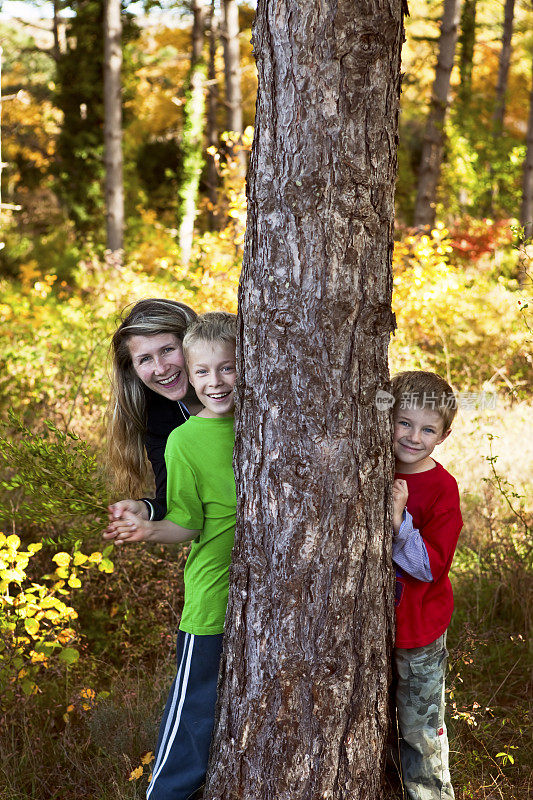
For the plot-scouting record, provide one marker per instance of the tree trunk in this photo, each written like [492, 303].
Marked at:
[193, 134]
[114, 187]
[467, 42]
[432, 149]
[503, 69]
[56, 50]
[212, 130]
[232, 70]
[526, 211]
[499, 106]
[305, 670]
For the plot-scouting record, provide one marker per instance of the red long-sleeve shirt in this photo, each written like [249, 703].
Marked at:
[424, 610]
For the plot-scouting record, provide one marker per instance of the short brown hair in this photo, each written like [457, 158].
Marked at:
[419, 389]
[213, 326]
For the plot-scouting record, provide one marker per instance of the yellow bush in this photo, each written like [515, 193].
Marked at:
[457, 321]
[35, 618]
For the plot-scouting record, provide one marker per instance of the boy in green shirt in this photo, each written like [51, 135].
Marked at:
[201, 504]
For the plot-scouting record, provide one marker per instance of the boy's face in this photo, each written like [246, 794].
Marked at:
[417, 431]
[212, 373]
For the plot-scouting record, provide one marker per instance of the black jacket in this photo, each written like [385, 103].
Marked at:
[162, 416]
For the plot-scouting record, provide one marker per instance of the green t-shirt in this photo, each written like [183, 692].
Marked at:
[201, 496]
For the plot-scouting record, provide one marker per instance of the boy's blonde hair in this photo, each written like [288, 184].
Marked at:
[419, 389]
[214, 326]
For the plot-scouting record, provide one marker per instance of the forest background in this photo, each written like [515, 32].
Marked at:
[87, 634]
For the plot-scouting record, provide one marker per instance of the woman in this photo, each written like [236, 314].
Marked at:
[149, 382]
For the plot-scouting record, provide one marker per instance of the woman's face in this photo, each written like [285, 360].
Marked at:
[159, 363]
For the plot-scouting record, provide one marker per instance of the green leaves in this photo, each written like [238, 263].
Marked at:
[69, 655]
[53, 481]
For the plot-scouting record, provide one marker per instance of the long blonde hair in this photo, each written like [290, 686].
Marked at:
[127, 405]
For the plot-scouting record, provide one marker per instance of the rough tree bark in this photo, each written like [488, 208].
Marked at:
[114, 186]
[430, 164]
[304, 677]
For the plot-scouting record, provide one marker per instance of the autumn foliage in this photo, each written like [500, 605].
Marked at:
[87, 633]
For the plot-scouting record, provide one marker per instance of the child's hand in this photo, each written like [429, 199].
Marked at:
[400, 494]
[129, 528]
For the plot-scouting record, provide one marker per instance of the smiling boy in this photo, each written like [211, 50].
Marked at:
[426, 525]
[201, 503]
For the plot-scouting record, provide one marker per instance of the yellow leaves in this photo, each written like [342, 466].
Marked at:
[248, 136]
[66, 635]
[31, 625]
[49, 602]
[34, 622]
[37, 658]
[89, 698]
[62, 559]
[12, 542]
[62, 572]
[136, 773]
[29, 272]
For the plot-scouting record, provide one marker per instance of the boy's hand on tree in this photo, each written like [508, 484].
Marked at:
[400, 494]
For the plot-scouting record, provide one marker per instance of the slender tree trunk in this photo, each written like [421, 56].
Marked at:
[232, 69]
[526, 211]
[212, 130]
[114, 187]
[55, 27]
[467, 42]
[503, 68]
[303, 693]
[500, 102]
[193, 134]
[433, 146]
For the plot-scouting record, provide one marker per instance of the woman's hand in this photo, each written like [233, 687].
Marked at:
[136, 507]
[129, 528]
[119, 521]
[400, 495]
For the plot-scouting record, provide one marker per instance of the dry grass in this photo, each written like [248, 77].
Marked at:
[488, 708]
[466, 450]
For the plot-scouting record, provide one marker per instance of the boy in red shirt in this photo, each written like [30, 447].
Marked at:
[427, 522]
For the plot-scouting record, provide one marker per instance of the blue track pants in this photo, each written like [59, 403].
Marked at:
[187, 725]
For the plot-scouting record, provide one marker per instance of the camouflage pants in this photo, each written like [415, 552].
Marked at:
[420, 706]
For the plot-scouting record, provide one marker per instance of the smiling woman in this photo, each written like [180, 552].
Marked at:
[148, 387]
[158, 362]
